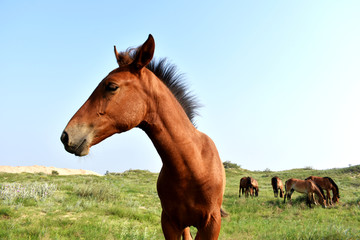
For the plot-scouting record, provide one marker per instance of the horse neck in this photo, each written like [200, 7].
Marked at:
[334, 190]
[169, 128]
[318, 193]
[333, 186]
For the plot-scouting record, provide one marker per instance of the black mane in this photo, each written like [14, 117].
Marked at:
[169, 75]
[333, 183]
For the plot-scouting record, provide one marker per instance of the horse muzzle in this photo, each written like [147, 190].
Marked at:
[74, 143]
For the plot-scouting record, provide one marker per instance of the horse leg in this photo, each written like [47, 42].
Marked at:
[289, 195]
[211, 230]
[328, 197]
[312, 199]
[281, 193]
[171, 232]
[309, 198]
[186, 234]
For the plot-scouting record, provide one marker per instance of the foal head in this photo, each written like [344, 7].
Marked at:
[336, 198]
[118, 103]
[320, 193]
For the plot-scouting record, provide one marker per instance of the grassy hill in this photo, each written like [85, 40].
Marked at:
[126, 206]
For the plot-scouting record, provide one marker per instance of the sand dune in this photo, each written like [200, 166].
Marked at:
[46, 170]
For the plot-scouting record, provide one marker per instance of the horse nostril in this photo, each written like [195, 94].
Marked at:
[64, 138]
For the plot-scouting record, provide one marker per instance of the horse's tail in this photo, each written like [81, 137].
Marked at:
[285, 191]
[240, 188]
[223, 213]
[274, 183]
[256, 191]
[336, 187]
[286, 185]
[248, 181]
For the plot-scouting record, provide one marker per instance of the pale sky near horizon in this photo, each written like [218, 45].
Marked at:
[279, 81]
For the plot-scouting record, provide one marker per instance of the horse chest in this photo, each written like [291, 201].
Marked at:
[182, 190]
[183, 198]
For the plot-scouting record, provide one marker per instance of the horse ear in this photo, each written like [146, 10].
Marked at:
[118, 58]
[144, 54]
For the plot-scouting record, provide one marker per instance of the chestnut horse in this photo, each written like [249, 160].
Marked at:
[327, 184]
[278, 186]
[304, 186]
[254, 187]
[248, 185]
[150, 95]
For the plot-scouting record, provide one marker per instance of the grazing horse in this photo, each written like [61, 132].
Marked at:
[304, 186]
[254, 187]
[148, 94]
[327, 184]
[244, 187]
[278, 186]
[248, 185]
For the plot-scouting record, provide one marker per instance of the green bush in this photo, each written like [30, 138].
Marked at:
[228, 164]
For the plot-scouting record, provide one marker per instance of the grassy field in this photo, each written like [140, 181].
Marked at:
[126, 206]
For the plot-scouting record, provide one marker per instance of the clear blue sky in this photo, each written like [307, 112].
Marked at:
[279, 81]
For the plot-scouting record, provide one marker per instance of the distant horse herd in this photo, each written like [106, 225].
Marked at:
[311, 186]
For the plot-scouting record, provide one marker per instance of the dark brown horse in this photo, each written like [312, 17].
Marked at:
[278, 186]
[149, 95]
[244, 186]
[248, 185]
[307, 187]
[327, 184]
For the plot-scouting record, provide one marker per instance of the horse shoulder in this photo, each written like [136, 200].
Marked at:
[209, 150]
[200, 167]
[211, 163]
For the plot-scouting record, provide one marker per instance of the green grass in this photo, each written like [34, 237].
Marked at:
[267, 217]
[126, 206]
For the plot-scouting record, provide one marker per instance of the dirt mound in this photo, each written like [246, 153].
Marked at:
[46, 170]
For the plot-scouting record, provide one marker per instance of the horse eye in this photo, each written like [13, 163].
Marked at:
[111, 87]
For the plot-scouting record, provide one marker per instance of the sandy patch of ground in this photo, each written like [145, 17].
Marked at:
[46, 170]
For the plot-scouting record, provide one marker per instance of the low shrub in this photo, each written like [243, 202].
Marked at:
[97, 191]
[16, 192]
[228, 164]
